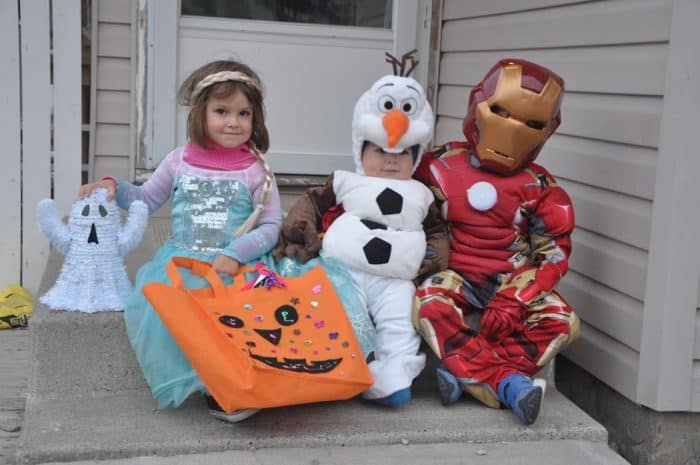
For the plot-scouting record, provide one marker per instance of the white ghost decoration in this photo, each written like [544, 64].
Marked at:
[93, 277]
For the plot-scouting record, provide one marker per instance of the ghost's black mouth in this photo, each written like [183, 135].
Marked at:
[93, 235]
[299, 365]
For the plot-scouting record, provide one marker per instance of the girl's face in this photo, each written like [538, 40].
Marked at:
[378, 163]
[229, 119]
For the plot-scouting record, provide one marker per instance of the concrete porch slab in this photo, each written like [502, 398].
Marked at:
[571, 452]
[87, 400]
[126, 425]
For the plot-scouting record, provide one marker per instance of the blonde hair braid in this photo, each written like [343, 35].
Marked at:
[221, 76]
[252, 220]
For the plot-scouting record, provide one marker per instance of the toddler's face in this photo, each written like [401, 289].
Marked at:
[376, 162]
[229, 119]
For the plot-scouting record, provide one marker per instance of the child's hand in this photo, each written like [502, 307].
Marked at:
[109, 184]
[224, 264]
[501, 317]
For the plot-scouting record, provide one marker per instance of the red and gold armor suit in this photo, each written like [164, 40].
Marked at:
[510, 226]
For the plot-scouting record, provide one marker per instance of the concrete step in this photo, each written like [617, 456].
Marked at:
[571, 452]
[87, 400]
[126, 425]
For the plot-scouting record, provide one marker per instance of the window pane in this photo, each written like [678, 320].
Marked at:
[365, 13]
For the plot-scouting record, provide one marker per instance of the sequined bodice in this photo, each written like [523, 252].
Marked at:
[206, 212]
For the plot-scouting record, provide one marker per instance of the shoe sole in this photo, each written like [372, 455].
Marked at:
[448, 387]
[529, 405]
[234, 417]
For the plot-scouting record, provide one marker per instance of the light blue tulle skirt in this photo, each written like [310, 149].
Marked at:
[166, 369]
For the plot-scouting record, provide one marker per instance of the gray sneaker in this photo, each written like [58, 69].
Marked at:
[448, 386]
[235, 416]
[216, 411]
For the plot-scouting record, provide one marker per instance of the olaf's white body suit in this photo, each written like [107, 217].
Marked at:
[380, 239]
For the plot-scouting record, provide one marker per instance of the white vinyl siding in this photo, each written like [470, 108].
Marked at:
[612, 55]
[667, 380]
[113, 97]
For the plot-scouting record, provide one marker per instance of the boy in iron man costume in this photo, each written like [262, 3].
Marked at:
[510, 226]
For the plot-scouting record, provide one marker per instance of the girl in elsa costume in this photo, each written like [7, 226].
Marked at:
[225, 210]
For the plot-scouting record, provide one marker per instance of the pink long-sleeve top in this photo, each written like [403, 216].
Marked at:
[214, 163]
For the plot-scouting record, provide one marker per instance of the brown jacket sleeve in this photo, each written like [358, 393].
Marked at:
[438, 245]
[301, 228]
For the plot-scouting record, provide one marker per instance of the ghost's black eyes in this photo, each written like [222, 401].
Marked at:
[101, 209]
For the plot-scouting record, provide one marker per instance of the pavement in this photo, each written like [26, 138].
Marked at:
[14, 368]
[87, 403]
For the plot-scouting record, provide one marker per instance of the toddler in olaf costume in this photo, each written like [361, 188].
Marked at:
[374, 221]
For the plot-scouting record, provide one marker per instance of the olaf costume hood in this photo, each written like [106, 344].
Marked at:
[395, 115]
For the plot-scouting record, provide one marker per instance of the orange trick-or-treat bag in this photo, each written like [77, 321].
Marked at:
[271, 342]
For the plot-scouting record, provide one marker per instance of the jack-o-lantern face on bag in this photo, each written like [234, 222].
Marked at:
[295, 336]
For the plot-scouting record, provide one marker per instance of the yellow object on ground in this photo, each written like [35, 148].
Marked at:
[16, 305]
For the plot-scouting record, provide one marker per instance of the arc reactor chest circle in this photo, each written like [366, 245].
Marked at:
[482, 196]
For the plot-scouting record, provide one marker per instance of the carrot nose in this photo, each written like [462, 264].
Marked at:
[396, 124]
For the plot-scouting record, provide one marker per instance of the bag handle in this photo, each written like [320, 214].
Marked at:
[199, 268]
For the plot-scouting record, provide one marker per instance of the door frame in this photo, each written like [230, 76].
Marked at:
[157, 64]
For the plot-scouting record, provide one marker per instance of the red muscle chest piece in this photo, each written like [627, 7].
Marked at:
[485, 213]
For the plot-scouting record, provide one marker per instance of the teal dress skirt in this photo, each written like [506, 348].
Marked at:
[197, 233]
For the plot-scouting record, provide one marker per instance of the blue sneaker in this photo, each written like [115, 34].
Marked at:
[519, 394]
[394, 400]
[448, 387]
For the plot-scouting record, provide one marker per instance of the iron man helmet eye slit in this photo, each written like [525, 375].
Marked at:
[499, 110]
[534, 124]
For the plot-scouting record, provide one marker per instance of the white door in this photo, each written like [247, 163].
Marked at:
[314, 58]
